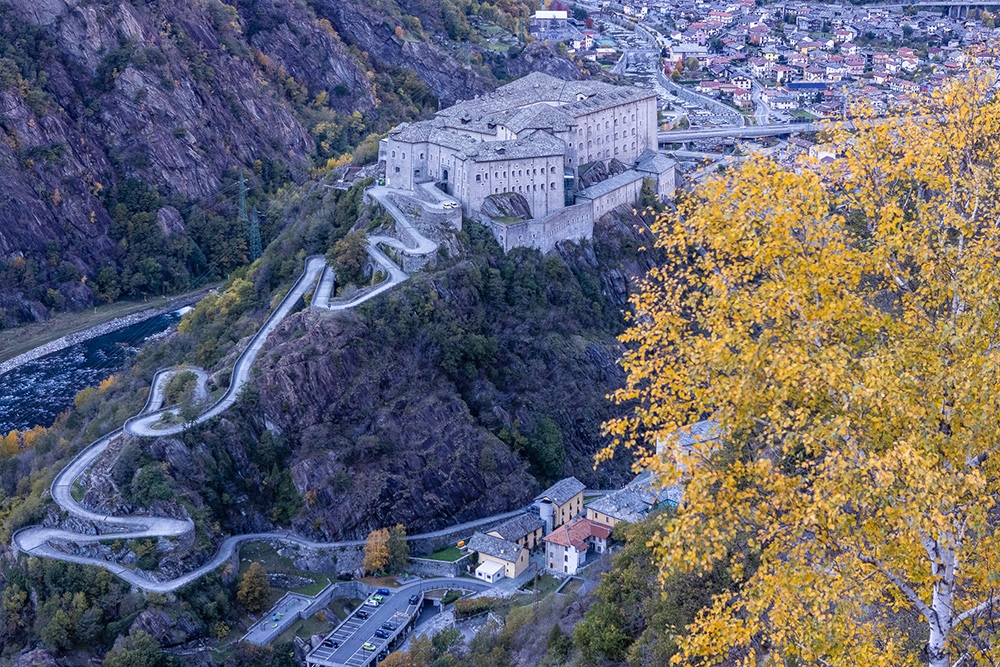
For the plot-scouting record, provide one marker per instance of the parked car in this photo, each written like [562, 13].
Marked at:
[414, 599]
[368, 646]
[389, 625]
[361, 614]
[330, 643]
[381, 634]
[372, 602]
[382, 591]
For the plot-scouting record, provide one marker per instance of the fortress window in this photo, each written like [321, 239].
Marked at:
[633, 116]
[552, 185]
[535, 188]
[479, 178]
[543, 187]
[496, 190]
[404, 156]
[421, 156]
[606, 125]
[633, 131]
[616, 135]
[496, 174]
[581, 146]
[616, 122]
[397, 170]
[633, 145]
[553, 170]
[534, 172]
[394, 153]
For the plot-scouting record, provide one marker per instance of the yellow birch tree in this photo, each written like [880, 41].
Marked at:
[842, 327]
[377, 553]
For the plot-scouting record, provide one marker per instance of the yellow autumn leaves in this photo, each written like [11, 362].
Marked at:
[842, 327]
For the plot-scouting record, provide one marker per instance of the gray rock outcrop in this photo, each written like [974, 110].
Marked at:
[506, 205]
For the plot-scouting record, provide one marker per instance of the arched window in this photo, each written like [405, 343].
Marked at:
[554, 169]
[552, 186]
[479, 178]
[394, 153]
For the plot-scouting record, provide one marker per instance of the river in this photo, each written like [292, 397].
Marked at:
[35, 393]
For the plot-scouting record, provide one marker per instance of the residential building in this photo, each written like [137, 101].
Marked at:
[560, 502]
[525, 529]
[493, 551]
[566, 547]
[634, 502]
[545, 22]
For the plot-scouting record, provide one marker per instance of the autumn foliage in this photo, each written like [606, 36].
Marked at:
[842, 326]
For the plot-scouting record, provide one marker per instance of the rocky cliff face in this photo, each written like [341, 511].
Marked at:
[364, 25]
[168, 93]
[381, 437]
[460, 394]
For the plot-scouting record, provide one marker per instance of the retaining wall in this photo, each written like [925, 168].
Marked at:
[427, 567]
[421, 546]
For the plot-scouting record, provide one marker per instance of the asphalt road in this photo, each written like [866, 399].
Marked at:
[143, 425]
[421, 246]
[353, 632]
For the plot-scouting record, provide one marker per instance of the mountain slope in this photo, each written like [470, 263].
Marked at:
[160, 105]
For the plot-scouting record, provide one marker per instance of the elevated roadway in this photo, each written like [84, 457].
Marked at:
[750, 132]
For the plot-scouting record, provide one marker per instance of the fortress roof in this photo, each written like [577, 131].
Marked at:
[537, 144]
[610, 184]
[576, 98]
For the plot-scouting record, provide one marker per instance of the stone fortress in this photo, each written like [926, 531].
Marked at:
[539, 159]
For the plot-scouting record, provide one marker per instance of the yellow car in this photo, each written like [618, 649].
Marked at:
[368, 646]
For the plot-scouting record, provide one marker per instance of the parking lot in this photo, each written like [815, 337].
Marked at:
[351, 635]
[346, 644]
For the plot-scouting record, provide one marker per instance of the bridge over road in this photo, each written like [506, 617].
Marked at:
[751, 132]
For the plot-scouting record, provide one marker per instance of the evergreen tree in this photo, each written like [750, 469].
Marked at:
[255, 246]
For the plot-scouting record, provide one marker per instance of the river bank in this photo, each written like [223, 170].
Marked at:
[99, 329]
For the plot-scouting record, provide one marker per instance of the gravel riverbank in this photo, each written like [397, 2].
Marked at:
[95, 331]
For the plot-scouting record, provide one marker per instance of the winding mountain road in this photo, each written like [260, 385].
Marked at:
[37, 540]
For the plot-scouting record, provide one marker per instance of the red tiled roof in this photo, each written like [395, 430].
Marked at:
[575, 533]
